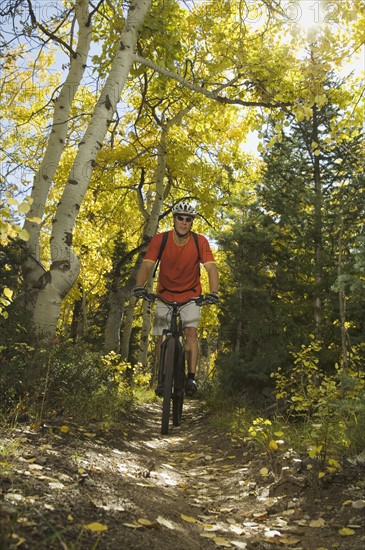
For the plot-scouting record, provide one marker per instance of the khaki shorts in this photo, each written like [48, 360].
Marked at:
[190, 316]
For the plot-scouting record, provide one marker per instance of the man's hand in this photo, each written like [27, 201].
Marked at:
[139, 292]
[211, 298]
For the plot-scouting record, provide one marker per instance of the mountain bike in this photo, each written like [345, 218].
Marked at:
[171, 370]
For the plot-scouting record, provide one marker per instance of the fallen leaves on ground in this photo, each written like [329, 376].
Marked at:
[203, 491]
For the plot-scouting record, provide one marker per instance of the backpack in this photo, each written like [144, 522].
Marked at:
[163, 244]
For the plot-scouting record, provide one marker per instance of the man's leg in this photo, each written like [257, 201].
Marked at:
[191, 348]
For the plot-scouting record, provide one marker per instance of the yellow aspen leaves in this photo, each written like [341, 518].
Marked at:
[8, 293]
[346, 532]
[165, 522]
[188, 519]
[96, 527]
[317, 523]
[146, 522]
[65, 429]
[12, 202]
[24, 235]
[24, 207]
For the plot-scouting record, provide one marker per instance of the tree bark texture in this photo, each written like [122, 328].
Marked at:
[32, 267]
[65, 264]
[127, 331]
[145, 330]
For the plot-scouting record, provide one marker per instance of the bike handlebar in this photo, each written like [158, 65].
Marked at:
[200, 301]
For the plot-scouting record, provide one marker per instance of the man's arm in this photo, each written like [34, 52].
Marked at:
[213, 276]
[144, 272]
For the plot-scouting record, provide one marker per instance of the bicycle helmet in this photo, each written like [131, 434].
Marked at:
[184, 208]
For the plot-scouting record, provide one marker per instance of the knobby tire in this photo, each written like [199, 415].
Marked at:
[177, 407]
[179, 384]
[168, 369]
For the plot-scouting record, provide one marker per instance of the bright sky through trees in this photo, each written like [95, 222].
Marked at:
[312, 14]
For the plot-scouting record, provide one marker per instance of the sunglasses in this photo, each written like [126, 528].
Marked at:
[187, 219]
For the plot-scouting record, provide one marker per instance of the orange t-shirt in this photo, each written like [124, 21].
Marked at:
[179, 272]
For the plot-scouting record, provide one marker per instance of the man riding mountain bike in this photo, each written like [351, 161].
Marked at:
[179, 280]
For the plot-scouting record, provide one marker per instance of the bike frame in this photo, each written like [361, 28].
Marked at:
[171, 372]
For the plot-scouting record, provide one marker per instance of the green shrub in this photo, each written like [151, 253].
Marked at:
[324, 415]
[68, 378]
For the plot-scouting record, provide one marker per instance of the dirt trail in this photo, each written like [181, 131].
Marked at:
[82, 487]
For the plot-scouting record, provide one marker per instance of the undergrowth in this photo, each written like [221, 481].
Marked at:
[321, 416]
[67, 379]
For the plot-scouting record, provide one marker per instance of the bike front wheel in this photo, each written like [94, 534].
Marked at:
[177, 407]
[168, 369]
[179, 387]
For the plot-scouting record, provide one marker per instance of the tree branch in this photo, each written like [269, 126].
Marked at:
[199, 89]
[48, 33]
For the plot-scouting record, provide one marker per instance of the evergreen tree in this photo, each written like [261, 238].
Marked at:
[283, 254]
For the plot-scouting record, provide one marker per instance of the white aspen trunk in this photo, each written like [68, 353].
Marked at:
[118, 298]
[32, 267]
[65, 264]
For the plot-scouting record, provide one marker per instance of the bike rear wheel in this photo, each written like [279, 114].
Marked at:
[168, 369]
